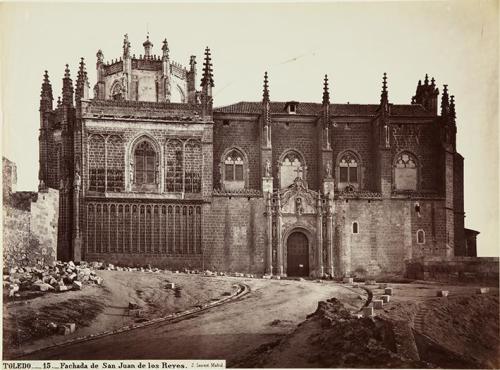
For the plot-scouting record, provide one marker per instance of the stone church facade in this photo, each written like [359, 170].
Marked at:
[149, 172]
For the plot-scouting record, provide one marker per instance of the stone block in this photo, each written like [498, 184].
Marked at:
[370, 282]
[388, 291]
[62, 288]
[276, 277]
[378, 303]
[442, 293]
[368, 311]
[43, 287]
[77, 285]
[385, 298]
[266, 277]
[71, 326]
[64, 330]
[348, 280]
[170, 286]
[482, 290]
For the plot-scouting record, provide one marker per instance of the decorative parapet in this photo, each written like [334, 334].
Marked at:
[416, 195]
[250, 193]
[358, 194]
[130, 109]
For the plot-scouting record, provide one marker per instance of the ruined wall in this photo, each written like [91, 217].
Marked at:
[30, 228]
[234, 234]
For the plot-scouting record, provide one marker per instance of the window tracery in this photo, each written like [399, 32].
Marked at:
[405, 172]
[348, 171]
[292, 166]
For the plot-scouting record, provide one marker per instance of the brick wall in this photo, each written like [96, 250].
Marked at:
[357, 137]
[300, 136]
[243, 135]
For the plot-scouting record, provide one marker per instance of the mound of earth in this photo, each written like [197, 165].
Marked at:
[461, 332]
[332, 337]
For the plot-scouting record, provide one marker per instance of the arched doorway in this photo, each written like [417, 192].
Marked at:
[297, 257]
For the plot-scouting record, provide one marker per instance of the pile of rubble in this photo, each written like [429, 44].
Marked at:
[59, 277]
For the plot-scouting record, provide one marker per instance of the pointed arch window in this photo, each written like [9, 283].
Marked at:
[234, 165]
[145, 164]
[348, 171]
[292, 166]
[117, 91]
[420, 236]
[405, 172]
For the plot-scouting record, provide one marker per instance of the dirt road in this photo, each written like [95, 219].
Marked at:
[272, 309]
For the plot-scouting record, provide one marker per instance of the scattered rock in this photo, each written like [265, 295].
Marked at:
[77, 285]
[482, 290]
[385, 298]
[442, 293]
[133, 306]
[170, 286]
[378, 304]
[388, 291]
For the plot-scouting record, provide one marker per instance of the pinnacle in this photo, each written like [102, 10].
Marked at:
[265, 95]
[66, 72]
[326, 93]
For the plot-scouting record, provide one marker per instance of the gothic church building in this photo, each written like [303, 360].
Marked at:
[149, 172]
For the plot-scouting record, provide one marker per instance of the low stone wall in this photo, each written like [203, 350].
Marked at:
[30, 228]
[461, 269]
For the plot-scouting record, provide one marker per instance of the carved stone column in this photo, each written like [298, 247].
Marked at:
[319, 238]
[329, 236]
[279, 221]
[269, 236]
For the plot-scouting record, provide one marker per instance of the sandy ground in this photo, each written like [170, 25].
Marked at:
[272, 310]
[460, 331]
[98, 309]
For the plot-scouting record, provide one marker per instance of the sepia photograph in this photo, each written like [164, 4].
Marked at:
[250, 184]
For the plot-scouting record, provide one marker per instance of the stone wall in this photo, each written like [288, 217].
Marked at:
[463, 269]
[386, 235]
[30, 228]
[234, 234]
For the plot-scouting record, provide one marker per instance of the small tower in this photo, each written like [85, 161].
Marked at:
[427, 95]
[207, 83]
[148, 45]
[99, 91]
[445, 103]
[191, 80]
[326, 154]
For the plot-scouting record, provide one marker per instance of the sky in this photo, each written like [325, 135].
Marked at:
[456, 42]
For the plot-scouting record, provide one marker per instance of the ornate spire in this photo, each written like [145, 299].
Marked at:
[453, 114]
[384, 99]
[46, 97]
[265, 95]
[326, 93]
[147, 47]
[445, 104]
[426, 81]
[67, 90]
[126, 46]
[165, 48]
[82, 84]
[207, 78]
